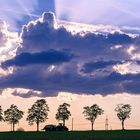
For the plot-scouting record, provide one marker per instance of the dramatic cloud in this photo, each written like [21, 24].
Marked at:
[90, 67]
[59, 57]
[8, 46]
[26, 93]
[6, 37]
[50, 57]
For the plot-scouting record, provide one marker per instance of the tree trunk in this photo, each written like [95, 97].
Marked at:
[37, 126]
[122, 124]
[92, 126]
[13, 127]
[64, 122]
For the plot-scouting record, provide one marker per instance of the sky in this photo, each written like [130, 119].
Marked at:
[71, 51]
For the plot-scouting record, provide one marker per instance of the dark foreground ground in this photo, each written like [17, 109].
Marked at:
[75, 135]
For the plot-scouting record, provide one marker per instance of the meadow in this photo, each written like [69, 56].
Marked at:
[73, 135]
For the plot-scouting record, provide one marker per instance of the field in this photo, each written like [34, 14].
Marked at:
[75, 135]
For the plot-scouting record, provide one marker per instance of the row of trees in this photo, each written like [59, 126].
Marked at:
[38, 113]
[92, 112]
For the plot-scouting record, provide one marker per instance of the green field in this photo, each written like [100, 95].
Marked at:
[75, 135]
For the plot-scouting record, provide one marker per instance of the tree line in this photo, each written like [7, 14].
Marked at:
[38, 113]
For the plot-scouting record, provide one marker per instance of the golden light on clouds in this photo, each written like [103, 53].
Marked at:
[4, 72]
[127, 68]
[64, 96]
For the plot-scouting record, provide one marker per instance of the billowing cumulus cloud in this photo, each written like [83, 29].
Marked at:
[8, 46]
[6, 37]
[56, 57]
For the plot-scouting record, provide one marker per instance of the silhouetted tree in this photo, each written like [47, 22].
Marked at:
[63, 113]
[123, 112]
[1, 114]
[38, 113]
[92, 112]
[13, 115]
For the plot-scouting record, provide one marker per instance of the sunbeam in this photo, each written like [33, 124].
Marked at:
[20, 13]
[24, 8]
[99, 12]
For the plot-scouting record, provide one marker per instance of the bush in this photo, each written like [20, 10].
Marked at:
[20, 129]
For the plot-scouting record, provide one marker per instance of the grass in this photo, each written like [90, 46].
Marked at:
[75, 135]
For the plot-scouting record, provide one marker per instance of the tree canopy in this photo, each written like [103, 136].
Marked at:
[13, 115]
[63, 113]
[92, 112]
[123, 112]
[38, 113]
[1, 114]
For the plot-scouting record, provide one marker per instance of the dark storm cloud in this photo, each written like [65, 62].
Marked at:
[50, 57]
[52, 84]
[83, 54]
[119, 38]
[90, 67]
